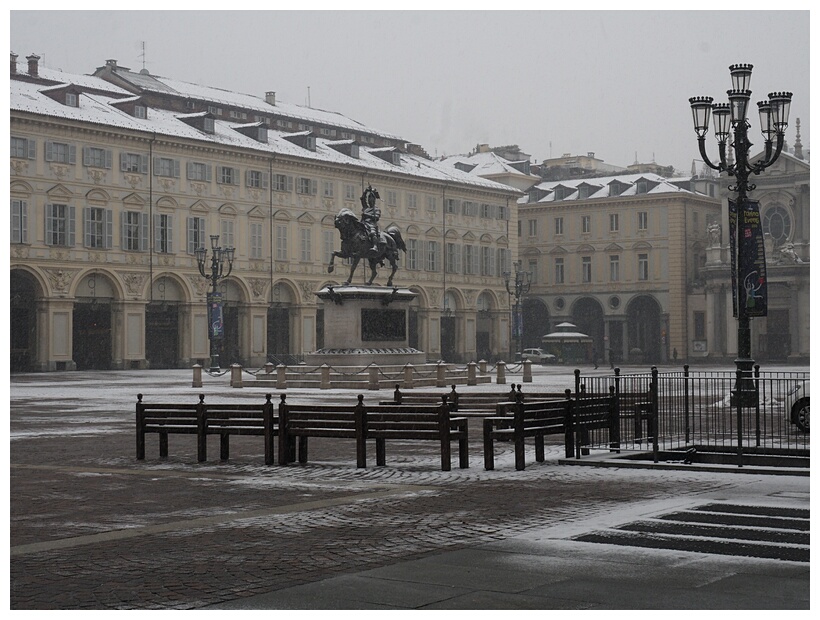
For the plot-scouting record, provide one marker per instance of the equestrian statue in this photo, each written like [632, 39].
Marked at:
[363, 239]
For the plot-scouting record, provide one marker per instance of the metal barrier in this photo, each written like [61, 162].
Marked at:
[685, 410]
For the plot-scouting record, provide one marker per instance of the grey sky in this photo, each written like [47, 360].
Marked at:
[553, 82]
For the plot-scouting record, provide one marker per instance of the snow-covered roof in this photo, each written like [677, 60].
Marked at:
[27, 97]
[486, 164]
[87, 82]
[657, 185]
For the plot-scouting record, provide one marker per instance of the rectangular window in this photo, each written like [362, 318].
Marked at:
[350, 192]
[613, 222]
[134, 163]
[471, 265]
[226, 238]
[282, 183]
[23, 148]
[196, 234]
[432, 256]
[453, 258]
[532, 267]
[306, 186]
[431, 203]
[163, 233]
[166, 167]
[559, 271]
[256, 240]
[700, 325]
[586, 224]
[469, 208]
[487, 261]
[488, 211]
[61, 152]
[614, 268]
[532, 228]
[140, 111]
[412, 259]
[451, 205]
[504, 257]
[19, 221]
[94, 157]
[257, 179]
[643, 220]
[60, 227]
[643, 267]
[586, 269]
[411, 201]
[97, 228]
[327, 244]
[304, 245]
[559, 225]
[328, 189]
[392, 198]
[227, 175]
[281, 242]
[134, 231]
[198, 171]
[71, 100]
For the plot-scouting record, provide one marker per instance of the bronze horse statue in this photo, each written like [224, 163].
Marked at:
[356, 245]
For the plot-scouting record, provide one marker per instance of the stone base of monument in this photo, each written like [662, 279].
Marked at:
[365, 325]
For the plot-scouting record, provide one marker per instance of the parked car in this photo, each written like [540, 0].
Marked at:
[797, 405]
[539, 356]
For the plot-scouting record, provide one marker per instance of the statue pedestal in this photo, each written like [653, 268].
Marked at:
[364, 325]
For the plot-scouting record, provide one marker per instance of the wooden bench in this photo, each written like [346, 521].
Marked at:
[529, 419]
[203, 419]
[595, 412]
[297, 423]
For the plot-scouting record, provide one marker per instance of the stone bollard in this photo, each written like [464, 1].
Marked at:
[197, 382]
[500, 370]
[441, 375]
[325, 382]
[482, 366]
[236, 376]
[527, 371]
[471, 368]
[373, 377]
[281, 377]
[269, 368]
[408, 375]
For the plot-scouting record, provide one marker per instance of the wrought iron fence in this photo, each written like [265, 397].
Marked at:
[689, 409]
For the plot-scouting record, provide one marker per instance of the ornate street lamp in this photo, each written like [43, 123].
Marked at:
[216, 328]
[749, 293]
[520, 286]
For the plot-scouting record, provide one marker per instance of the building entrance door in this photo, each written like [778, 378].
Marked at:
[92, 335]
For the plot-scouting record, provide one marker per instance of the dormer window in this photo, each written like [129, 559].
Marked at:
[140, 111]
[304, 139]
[465, 167]
[616, 188]
[208, 125]
[71, 100]
[202, 121]
[257, 131]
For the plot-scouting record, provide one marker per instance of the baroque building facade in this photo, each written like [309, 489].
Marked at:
[117, 178]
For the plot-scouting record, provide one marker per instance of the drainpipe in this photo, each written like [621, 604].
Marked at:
[151, 234]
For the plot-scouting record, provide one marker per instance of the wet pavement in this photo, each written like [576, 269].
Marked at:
[93, 528]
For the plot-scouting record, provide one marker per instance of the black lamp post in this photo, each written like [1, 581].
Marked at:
[216, 328]
[745, 235]
[520, 286]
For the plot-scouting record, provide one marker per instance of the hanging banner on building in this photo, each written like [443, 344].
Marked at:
[216, 328]
[749, 288]
[753, 294]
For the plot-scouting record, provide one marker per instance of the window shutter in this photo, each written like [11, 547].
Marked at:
[190, 168]
[49, 224]
[87, 227]
[123, 232]
[176, 168]
[72, 154]
[49, 150]
[191, 236]
[23, 221]
[235, 176]
[156, 166]
[247, 178]
[157, 231]
[16, 223]
[108, 222]
[144, 163]
[85, 155]
[123, 160]
[314, 187]
[71, 226]
[290, 184]
[143, 232]
[170, 235]
[32, 149]
[265, 180]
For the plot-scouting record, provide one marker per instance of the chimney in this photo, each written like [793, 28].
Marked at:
[13, 63]
[32, 65]
[111, 64]
[270, 97]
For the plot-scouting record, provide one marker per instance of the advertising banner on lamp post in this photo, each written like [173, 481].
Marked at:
[216, 328]
[749, 283]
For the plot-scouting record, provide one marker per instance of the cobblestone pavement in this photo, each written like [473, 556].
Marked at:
[92, 528]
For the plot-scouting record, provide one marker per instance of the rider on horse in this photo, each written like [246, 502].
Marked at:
[371, 215]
